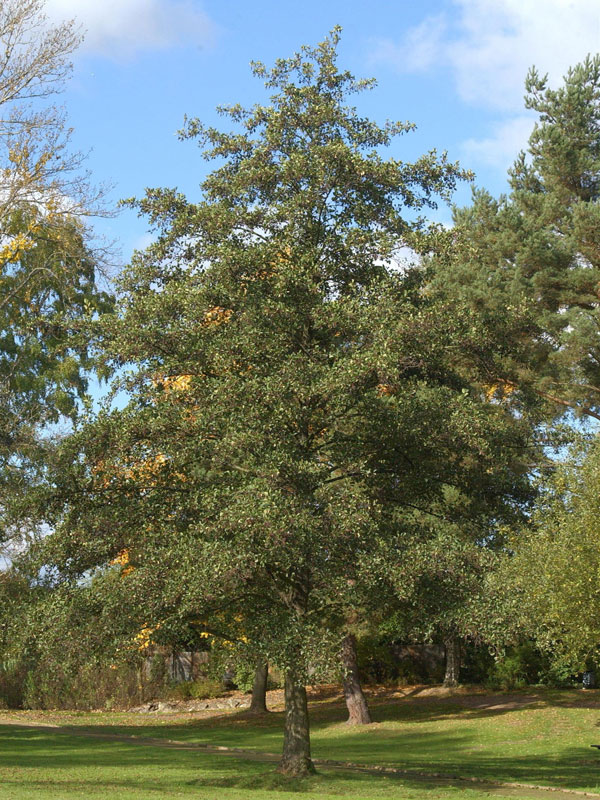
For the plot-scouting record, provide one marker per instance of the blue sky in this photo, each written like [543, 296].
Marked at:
[454, 67]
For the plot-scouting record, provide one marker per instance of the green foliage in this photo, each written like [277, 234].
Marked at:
[530, 260]
[553, 574]
[288, 388]
[376, 662]
[298, 406]
[477, 661]
[91, 687]
[12, 683]
[199, 689]
[244, 677]
[47, 265]
[68, 647]
[510, 672]
[526, 665]
[380, 662]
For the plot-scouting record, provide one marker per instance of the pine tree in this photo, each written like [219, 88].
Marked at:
[531, 259]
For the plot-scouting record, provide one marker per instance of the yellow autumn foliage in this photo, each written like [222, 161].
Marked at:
[122, 560]
[176, 383]
[144, 472]
[499, 391]
[13, 250]
[143, 638]
[216, 316]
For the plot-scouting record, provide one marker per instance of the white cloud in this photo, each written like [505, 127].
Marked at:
[501, 148]
[488, 45]
[419, 49]
[124, 28]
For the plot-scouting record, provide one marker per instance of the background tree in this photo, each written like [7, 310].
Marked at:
[440, 603]
[47, 266]
[551, 578]
[535, 252]
[37, 168]
[291, 391]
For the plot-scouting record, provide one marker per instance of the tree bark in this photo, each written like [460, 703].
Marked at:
[358, 710]
[452, 644]
[258, 704]
[296, 760]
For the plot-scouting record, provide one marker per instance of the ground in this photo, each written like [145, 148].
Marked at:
[440, 744]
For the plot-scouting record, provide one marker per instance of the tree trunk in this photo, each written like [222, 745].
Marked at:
[358, 710]
[296, 760]
[452, 644]
[258, 704]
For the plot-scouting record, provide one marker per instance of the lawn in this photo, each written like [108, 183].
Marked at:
[534, 738]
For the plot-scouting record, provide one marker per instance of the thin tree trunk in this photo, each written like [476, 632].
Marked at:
[452, 644]
[358, 710]
[258, 704]
[296, 760]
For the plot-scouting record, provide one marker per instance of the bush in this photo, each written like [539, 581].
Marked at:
[206, 688]
[522, 666]
[244, 678]
[376, 663]
[478, 663]
[92, 687]
[508, 673]
[12, 681]
[275, 679]
[199, 689]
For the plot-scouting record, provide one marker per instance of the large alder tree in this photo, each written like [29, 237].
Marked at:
[292, 391]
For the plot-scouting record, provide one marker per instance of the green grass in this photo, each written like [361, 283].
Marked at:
[546, 742]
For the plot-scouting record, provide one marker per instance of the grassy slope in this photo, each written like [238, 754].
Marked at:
[546, 742]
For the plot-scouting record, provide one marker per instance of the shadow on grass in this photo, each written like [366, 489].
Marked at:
[42, 761]
[448, 752]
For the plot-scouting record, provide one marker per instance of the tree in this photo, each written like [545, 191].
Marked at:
[535, 253]
[258, 703]
[37, 168]
[356, 703]
[292, 392]
[47, 266]
[552, 576]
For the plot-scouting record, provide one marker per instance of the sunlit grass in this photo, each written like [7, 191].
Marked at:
[537, 739]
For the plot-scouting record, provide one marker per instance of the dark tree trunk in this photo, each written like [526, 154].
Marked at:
[296, 760]
[358, 710]
[258, 704]
[452, 644]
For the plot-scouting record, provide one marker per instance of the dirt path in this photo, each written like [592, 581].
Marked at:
[523, 791]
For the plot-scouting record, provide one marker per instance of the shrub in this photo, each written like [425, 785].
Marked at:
[376, 662]
[206, 688]
[275, 679]
[93, 686]
[199, 689]
[507, 673]
[12, 680]
[521, 666]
